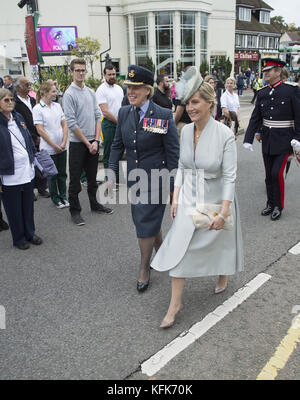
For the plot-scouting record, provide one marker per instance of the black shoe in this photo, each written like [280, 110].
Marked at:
[267, 210]
[77, 219]
[44, 193]
[102, 210]
[35, 240]
[3, 225]
[276, 214]
[142, 286]
[23, 246]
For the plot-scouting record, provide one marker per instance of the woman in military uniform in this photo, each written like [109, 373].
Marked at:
[148, 134]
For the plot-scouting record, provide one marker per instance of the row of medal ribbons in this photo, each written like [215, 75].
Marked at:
[156, 125]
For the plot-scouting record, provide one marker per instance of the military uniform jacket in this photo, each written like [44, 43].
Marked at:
[276, 117]
[145, 149]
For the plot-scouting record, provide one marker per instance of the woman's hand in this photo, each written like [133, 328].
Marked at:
[58, 149]
[217, 223]
[174, 209]
[63, 145]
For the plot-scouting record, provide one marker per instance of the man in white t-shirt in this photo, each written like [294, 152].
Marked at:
[109, 96]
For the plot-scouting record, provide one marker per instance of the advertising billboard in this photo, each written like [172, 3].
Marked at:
[55, 39]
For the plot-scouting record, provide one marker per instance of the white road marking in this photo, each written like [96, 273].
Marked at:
[160, 359]
[295, 250]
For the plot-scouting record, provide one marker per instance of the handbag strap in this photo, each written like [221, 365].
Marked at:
[18, 140]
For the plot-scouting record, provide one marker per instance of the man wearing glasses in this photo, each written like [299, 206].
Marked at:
[84, 122]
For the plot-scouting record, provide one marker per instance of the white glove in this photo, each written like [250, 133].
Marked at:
[248, 146]
[295, 144]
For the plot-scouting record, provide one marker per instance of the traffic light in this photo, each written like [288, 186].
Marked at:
[288, 60]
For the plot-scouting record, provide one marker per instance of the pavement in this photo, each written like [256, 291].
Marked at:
[72, 310]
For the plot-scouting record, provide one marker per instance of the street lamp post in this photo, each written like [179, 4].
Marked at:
[107, 58]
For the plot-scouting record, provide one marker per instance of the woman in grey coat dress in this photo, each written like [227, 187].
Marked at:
[207, 155]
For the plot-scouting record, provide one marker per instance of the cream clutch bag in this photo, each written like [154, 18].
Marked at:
[204, 213]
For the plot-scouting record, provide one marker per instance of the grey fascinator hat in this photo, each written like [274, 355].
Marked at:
[188, 84]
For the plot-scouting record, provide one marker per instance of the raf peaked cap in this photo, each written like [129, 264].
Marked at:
[269, 63]
[139, 76]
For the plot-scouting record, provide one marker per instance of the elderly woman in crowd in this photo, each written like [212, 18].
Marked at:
[148, 133]
[17, 173]
[202, 243]
[51, 125]
[230, 104]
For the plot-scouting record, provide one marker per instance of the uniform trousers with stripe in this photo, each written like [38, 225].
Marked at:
[274, 168]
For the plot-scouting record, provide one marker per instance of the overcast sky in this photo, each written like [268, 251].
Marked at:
[288, 9]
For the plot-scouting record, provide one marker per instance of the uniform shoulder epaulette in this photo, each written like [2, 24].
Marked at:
[291, 83]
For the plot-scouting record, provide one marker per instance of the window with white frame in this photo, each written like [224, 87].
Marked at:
[238, 40]
[264, 17]
[245, 14]
[251, 41]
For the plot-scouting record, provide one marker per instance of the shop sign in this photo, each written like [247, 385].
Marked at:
[247, 56]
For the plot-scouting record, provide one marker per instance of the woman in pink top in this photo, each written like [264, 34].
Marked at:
[173, 92]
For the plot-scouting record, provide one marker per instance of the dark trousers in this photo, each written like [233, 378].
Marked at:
[57, 183]
[41, 184]
[1, 216]
[108, 130]
[274, 168]
[81, 159]
[18, 205]
[234, 117]
[254, 97]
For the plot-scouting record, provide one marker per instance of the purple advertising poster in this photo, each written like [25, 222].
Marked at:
[56, 38]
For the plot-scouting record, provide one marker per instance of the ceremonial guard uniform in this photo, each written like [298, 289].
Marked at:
[276, 118]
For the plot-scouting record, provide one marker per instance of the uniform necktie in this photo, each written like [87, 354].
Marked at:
[137, 115]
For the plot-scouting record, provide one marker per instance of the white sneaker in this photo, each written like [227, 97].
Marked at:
[66, 203]
[60, 205]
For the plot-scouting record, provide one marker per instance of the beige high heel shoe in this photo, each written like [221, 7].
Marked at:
[221, 289]
[167, 324]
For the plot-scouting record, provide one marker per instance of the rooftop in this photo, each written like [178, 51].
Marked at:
[254, 4]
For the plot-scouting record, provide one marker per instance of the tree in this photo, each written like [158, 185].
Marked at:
[279, 23]
[149, 64]
[224, 67]
[204, 67]
[87, 48]
[59, 74]
[179, 68]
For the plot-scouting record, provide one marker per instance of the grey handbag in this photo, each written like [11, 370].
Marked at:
[43, 161]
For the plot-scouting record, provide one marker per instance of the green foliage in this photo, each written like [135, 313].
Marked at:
[179, 68]
[87, 48]
[279, 23]
[149, 64]
[61, 75]
[93, 83]
[223, 67]
[204, 67]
